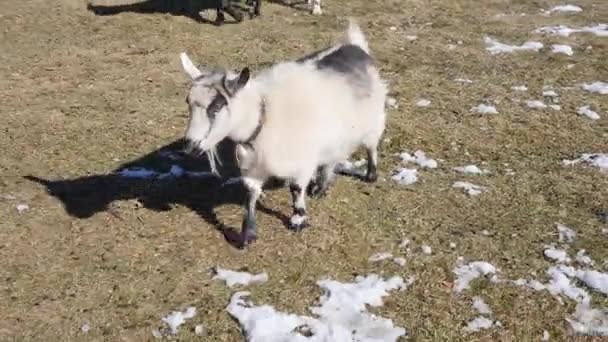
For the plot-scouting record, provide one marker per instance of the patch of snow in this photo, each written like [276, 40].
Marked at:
[561, 48]
[485, 232]
[199, 330]
[156, 333]
[411, 37]
[495, 47]
[600, 30]
[400, 261]
[177, 318]
[555, 107]
[392, 102]
[586, 111]
[566, 9]
[469, 272]
[484, 109]
[463, 80]
[426, 249]
[22, 207]
[545, 336]
[560, 284]
[341, 316]
[85, 328]
[423, 103]
[558, 255]
[589, 321]
[596, 87]
[452, 245]
[535, 104]
[470, 169]
[549, 93]
[594, 279]
[599, 160]
[351, 168]
[566, 234]
[405, 176]
[584, 259]
[232, 278]
[481, 306]
[404, 243]
[478, 324]
[419, 158]
[469, 188]
[519, 88]
[379, 257]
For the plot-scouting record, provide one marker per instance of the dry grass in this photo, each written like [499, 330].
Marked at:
[83, 94]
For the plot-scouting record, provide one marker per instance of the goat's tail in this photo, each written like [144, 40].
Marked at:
[355, 36]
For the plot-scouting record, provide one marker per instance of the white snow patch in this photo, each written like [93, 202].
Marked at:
[589, 321]
[545, 336]
[478, 324]
[562, 48]
[426, 249]
[535, 104]
[199, 330]
[566, 9]
[495, 47]
[351, 168]
[85, 328]
[469, 188]
[549, 93]
[586, 111]
[558, 255]
[470, 169]
[463, 80]
[594, 279]
[411, 37]
[560, 284]
[379, 257]
[392, 102]
[481, 306]
[555, 107]
[484, 109]
[468, 272]
[405, 176]
[452, 245]
[22, 207]
[419, 158]
[341, 316]
[423, 103]
[404, 243]
[566, 234]
[599, 160]
[232, 278]
[600, 30]
[584, 259]
[519, 88]
[400, 261]
[177, 318]
[596, 87]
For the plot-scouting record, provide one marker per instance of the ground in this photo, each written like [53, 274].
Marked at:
[83, 95]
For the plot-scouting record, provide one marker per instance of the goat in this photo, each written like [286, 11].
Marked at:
[226, 6]
[292, 120]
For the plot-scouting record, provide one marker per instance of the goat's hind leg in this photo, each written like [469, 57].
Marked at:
[372, 164]
[298, 220]
[248, 228]
[325, 176]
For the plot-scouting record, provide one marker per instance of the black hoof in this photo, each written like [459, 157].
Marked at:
[247, 240]
[371, 177]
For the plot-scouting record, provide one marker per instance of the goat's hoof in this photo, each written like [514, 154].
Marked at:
[318, 192]
[297, 223]
[247, 240]
[371, 178]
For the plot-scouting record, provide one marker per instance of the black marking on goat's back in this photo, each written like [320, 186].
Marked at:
[346, 59]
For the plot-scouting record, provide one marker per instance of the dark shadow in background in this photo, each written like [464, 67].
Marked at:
[83, 197]
[186, 8]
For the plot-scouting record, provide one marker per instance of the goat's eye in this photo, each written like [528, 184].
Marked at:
[216, 105]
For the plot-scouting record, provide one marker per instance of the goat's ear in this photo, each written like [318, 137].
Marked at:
[235, 84]
[189, 67]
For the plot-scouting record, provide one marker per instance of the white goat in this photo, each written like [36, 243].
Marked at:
[292, 120]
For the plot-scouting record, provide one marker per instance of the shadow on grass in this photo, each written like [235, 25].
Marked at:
[85, 196]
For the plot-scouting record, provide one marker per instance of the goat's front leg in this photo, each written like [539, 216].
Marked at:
[248, 229]
[325, 177]
[219, 8]
[298, 220]
[258, 8]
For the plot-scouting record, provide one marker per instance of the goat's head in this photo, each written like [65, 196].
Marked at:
[208, 101]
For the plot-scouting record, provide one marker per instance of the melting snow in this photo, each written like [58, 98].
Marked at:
[560, 48]
[400, 261]
[199, 330]
[566, 234]
[85, 328]
[233, 278]
[594, 279]
[481, 306]
[426, 249]
[405, 176]
[555, 107]
[341, 316]
[177, 318]
[558, 255]
[600, 30]
[463, 80]
[468, 272]
[519, 88]
[469, 188]
[596, 87]
[419, 158]
[423, 103]
[411, 38]
[495, 47]
[599, 160]
[535, 104]
[484, 109]
[566, 8]
[589, 321]
[560, 284]
[478, 324]
[391, 102]
[470, 169]
[550, 93]
[380, 256]
[545, 336]
[586, 111]
[22, 207]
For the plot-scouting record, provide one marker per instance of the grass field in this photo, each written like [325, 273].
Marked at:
[83, 95]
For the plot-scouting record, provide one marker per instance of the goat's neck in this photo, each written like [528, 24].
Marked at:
[246, 113]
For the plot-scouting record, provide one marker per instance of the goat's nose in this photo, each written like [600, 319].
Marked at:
[189, 147]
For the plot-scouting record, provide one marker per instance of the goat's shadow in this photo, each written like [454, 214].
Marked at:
[188, 8]
[180, 179]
